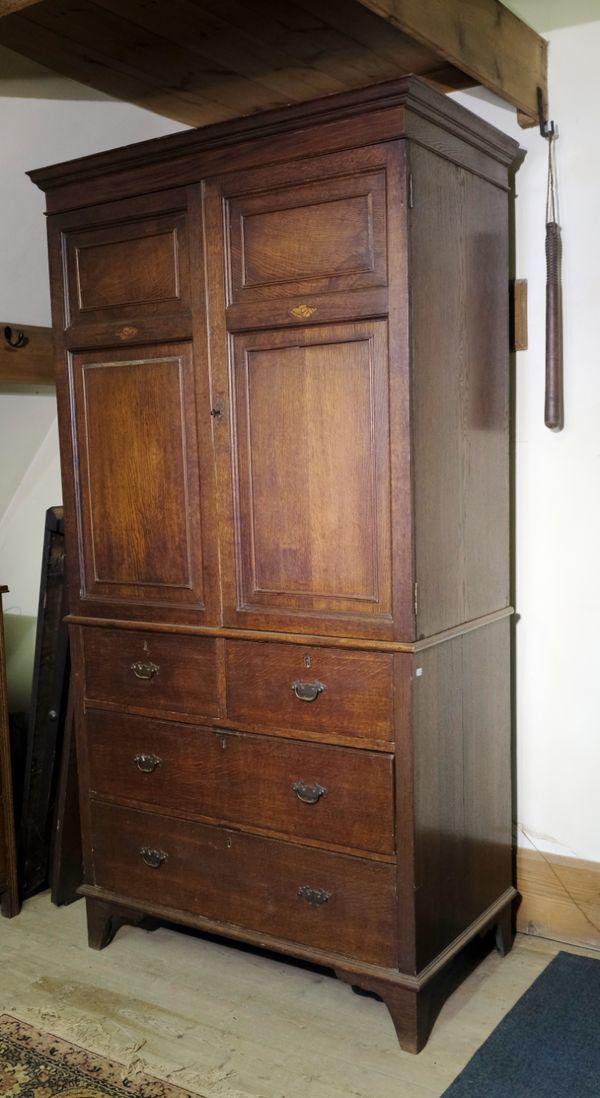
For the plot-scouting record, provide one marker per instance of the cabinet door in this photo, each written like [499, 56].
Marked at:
[311, 478]
[140, 497]
[123, 270]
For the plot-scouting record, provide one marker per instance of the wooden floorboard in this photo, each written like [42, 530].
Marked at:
[229, 1024]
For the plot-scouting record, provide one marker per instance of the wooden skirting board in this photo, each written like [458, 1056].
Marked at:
[560, 898]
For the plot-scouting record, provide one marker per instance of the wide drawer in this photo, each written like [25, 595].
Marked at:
[160, 672]
[335, 795]
[326, 690]
[327, 901]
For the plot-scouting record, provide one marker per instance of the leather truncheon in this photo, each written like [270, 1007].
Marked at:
[153, 671]
[303, 688]
[333, 902]
[335, 795]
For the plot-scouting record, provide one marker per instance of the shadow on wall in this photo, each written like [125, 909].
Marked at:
[19, 633]
[21, 78]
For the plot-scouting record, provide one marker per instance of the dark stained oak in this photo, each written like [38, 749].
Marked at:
[283, 400]
[332, 794]
[459, 275]
[267, 686]
[305, 406]
[330, 901]
[126, 256]
[135, 414]
[335, 231]
[157, 671]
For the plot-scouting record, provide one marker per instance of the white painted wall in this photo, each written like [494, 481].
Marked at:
[558, 475]
[44, 119]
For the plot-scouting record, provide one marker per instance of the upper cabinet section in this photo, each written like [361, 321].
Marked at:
[126, 268]
[285, 347]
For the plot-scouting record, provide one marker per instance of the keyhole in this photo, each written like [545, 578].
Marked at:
[307, 661]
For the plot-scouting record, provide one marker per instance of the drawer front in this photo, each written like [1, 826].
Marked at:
[159, 672]
[286, 686]
[323, 900]
[331, 794]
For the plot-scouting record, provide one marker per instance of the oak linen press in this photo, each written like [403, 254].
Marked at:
[283, 385]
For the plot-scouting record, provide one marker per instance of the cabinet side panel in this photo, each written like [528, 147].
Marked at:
[462, 781]
[487, 766]
[459, 312]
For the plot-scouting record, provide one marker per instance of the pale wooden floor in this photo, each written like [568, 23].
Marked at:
[227, 1024]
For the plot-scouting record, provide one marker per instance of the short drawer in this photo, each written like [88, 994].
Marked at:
[327, 901]
[335, 795]
[160, 672]
[326, 690]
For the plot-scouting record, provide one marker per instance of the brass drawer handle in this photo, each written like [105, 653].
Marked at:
[145, 671]
[314, 896]
[310, 794]
[307, 691]
[153, 858]
[147, 763]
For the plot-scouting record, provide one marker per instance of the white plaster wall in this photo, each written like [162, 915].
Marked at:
[558, 475]
[44, 119]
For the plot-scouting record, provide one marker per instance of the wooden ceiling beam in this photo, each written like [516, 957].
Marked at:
[26, 355]
[201, 61]
[9, 7]
[483, 39]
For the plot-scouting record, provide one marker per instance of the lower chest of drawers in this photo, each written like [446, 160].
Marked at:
[244, 813]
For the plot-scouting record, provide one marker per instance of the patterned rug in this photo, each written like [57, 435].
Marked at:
[38, 1065]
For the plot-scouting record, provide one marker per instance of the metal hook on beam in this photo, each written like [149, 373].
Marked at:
[19, 339]
[547, 129]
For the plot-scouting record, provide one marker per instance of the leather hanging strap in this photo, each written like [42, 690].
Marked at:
[553, 410]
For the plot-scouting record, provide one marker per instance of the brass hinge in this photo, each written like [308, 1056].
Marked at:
[411, 197]
[416, 599]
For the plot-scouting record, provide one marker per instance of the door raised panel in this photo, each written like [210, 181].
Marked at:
[139, 501]
[322, 236]
[128, 263]
[312, 470]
